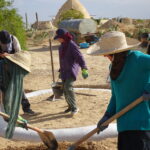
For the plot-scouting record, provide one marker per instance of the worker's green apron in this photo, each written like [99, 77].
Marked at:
[11, 77]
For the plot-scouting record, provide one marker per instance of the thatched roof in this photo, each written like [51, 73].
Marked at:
[71, 4]
[41, 25]
[127, 21]
[109, 24]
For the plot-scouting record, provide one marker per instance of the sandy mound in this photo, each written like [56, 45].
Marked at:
[92, 104]
[62, 146]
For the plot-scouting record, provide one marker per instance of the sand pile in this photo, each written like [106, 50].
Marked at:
[63, 146]
[125, 26]
[41, 25]
[109, 24]
[92, 104]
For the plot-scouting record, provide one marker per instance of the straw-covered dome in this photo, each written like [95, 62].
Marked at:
[41, 25]
[71, 4]
[127, 21]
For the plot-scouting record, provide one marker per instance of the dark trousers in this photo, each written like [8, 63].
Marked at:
[25, 102]
[134, 140]
[69, 94]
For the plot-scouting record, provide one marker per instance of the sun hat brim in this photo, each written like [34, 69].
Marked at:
[99, 51]
[112, 42]
[17, 60]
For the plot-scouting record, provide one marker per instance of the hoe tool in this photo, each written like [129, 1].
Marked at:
[47, 137]
[117, 115]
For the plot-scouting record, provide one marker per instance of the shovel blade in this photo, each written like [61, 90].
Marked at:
[72, 147]
[49, 140]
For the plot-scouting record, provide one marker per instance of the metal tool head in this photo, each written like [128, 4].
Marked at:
[49, 140]
[72, 147]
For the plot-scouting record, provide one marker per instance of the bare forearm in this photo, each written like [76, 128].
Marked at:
[2, 55]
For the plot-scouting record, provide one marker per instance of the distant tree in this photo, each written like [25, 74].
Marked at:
[71, 14]
[4, 4]
[11, 21]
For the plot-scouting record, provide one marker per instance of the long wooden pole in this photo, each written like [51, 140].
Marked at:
[51, 55]
[37, 20]
[26, 16]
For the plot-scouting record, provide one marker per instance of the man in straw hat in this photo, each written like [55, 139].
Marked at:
[130, 76]
[9, 44]
[15, 67]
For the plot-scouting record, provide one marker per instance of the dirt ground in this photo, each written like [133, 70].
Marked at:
[92, 104]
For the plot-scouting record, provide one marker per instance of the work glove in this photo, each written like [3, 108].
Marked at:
[85, 73]
[24, 122]
[146, 96]
[101, 121]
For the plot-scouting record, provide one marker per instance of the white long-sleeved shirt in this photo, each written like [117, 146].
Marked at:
[16, 44]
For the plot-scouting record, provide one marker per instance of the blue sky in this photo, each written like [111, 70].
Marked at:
[46, 9]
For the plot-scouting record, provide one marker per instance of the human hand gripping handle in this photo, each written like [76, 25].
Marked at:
[85, 73]
[146, 96]
[101, 121]
[3, 55]
[24, 122]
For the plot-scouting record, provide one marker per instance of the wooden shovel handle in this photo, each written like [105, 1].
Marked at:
[122, 112]
[52, 62]
[20, 122]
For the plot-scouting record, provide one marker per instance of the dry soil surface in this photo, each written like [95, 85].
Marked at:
[92, 104]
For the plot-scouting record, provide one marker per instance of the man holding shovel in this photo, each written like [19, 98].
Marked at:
[70, 59]
[9, 44]
[13, 69]
[130, 76]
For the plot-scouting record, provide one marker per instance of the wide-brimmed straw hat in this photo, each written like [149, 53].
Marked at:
[111, 43]
[22, 59]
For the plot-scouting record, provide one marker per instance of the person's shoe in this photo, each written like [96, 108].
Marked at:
[67, 110]
[29, 112]
[74, 112]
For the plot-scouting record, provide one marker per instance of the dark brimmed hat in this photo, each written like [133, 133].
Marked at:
[60, 33]
[5, 37]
